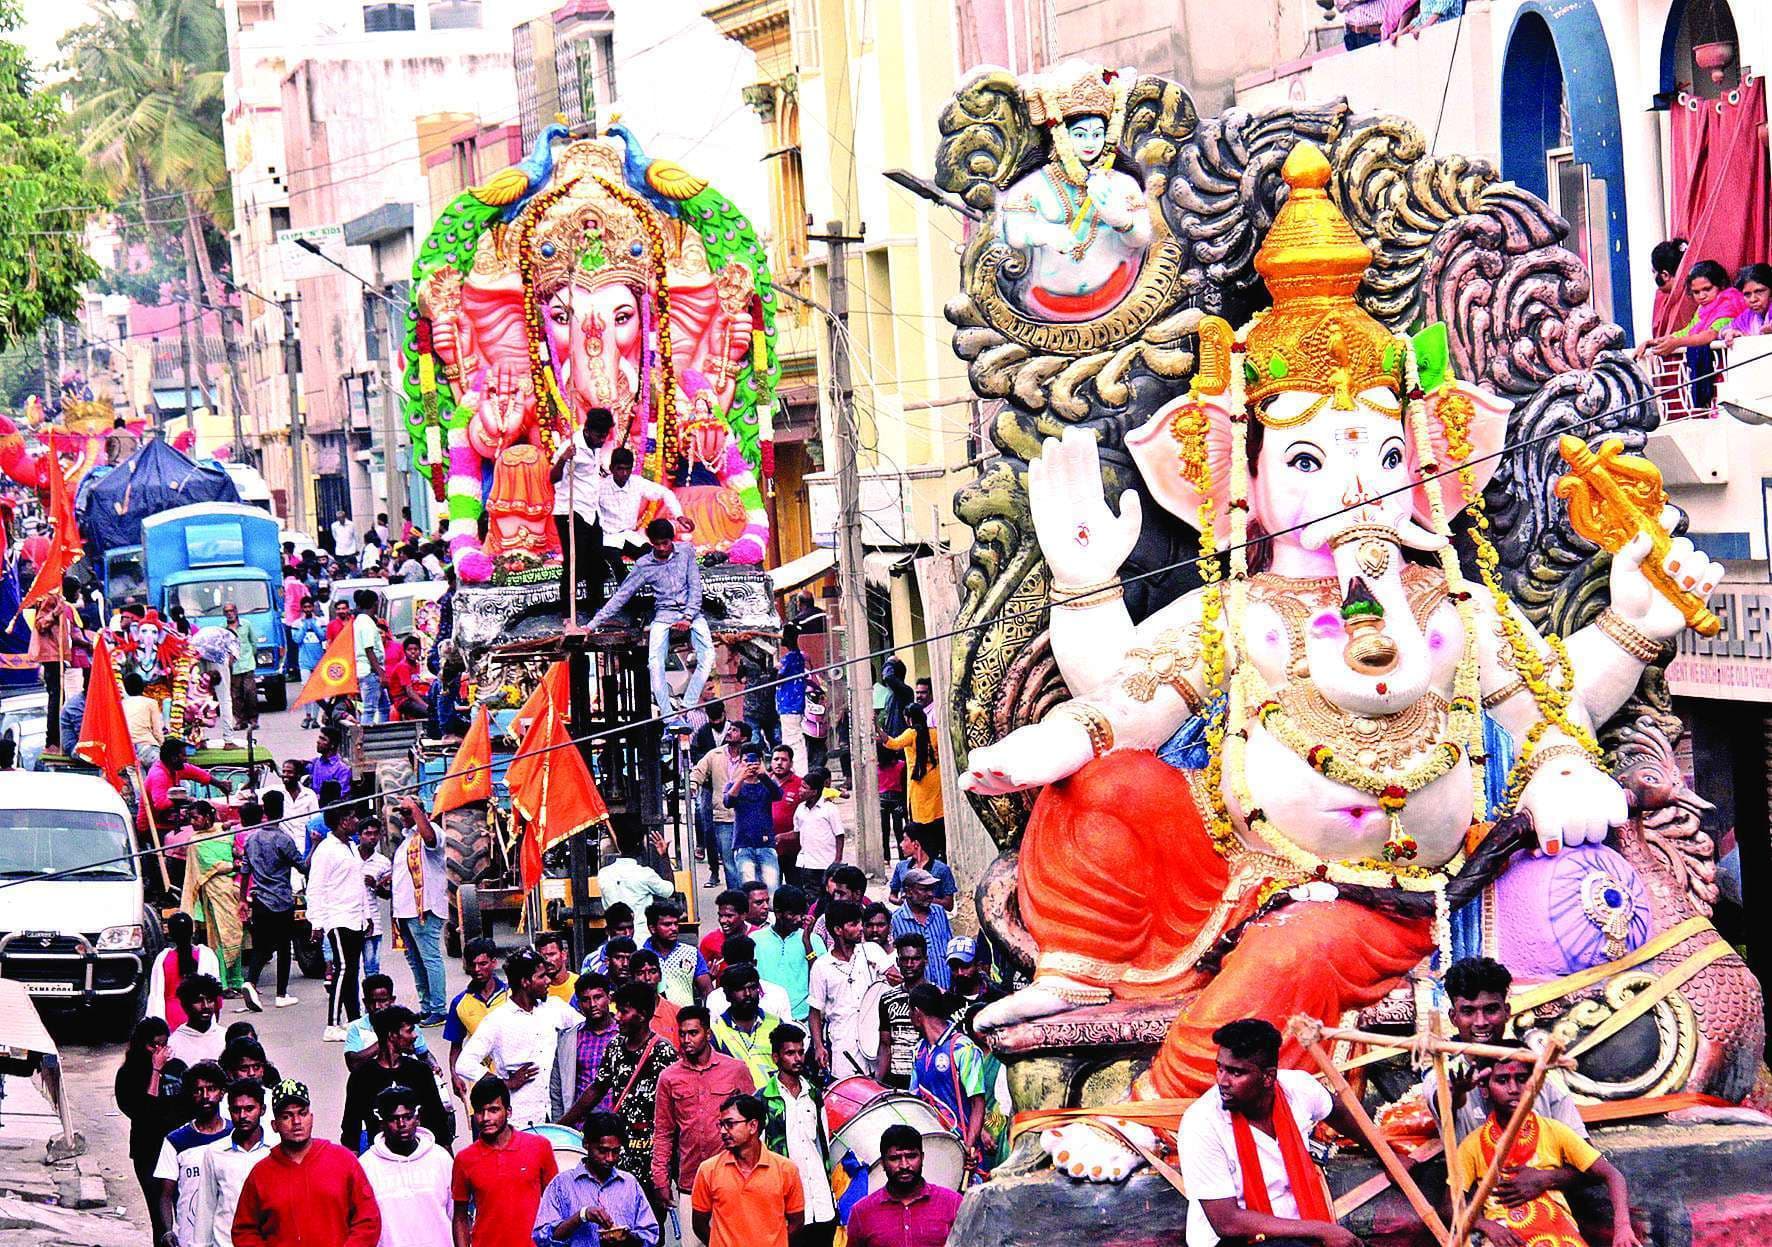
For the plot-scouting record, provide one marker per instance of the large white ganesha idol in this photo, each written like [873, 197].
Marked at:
[1342, 658]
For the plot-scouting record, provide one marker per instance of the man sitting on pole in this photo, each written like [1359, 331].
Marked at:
[669, 569]
[1244, 1158]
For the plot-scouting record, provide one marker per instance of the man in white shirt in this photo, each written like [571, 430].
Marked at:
[222, 1167]
[794, 1127]
[520, 1038]
[420, 903]
[841, 995]
[299, 801]
[623, 880]
[410, 1175]
[1261, 1108]
[366, 644]
[819, 825]
[345, 541]
[581, 465]
[199, 1037]
[622, 496]
[177, 1168]
[338, 907]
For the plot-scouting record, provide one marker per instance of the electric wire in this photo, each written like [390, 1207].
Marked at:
[1508, 448]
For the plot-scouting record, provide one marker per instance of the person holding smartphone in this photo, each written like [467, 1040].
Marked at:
[593, 1202]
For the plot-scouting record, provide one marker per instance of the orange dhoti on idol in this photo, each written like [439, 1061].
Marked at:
[1125, 893]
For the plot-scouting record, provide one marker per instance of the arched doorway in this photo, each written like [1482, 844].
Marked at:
[1700, 52]
[1568, 148]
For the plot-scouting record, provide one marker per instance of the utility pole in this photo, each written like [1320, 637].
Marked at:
[851, 576]
[298, 482]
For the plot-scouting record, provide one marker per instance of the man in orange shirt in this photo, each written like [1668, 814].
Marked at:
[747, 1195]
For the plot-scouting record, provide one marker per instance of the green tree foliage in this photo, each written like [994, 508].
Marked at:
[145, 79]
[47, 192]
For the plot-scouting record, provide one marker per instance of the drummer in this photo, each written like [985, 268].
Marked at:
[844, 995]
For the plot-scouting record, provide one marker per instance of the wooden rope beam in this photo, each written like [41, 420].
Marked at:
[1308, 1031]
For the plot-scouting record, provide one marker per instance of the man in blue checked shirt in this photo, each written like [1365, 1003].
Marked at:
[669, 569]
[594, 1203]
[920, 915]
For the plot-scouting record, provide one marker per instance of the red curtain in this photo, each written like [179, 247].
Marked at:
[1722, 197]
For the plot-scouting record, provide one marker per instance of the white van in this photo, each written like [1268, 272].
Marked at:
[75, 928]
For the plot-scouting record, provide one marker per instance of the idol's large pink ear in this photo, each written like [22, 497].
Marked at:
[1483, 417]
[1160, 448]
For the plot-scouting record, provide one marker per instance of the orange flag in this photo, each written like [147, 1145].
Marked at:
[104, 732]
[550, 785]
[469, 777]
[65, 547]
[336, 676]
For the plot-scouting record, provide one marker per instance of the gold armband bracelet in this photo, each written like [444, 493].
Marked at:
[1550, 754]
[1084, 596]
[1093, 721]
[1628, 637]
[1494, 699]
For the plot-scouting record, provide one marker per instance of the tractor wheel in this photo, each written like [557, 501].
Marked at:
[467, 851]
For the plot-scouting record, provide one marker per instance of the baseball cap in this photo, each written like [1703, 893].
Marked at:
[963, 949]
[916, 876]
[289, 1091]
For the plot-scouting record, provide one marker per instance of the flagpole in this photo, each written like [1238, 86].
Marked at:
[153, 828]
[572, 547]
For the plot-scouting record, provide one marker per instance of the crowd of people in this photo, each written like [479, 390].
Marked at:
[695, 1069]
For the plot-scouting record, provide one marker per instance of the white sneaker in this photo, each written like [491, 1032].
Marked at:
[333, 1034]
[283, 1002]
[249, 995]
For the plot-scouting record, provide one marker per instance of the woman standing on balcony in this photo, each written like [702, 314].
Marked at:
[1719, 304]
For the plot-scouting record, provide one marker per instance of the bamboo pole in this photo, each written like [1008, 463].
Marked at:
[1451, 1047]
[1528, 1098]
[1311, 1037]
[1448, 1129]
[153, 828]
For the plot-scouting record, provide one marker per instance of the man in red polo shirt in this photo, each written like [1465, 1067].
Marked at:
[909, 1211]
[307, 1190]
[500, 1176]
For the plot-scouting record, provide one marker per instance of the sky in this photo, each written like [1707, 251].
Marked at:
[47, 21]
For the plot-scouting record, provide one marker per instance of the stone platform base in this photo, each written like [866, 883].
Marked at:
[1691, 1186]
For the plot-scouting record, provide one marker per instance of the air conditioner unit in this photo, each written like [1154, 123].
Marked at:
[384, 18]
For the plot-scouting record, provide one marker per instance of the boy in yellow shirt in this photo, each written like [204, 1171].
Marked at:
[1543, 1143]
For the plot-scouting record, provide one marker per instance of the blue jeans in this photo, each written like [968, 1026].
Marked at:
[369, 696]
[704, 829]
[754, 864]
[658, 650]
[424, 956]
[372, 954]
[728, 858]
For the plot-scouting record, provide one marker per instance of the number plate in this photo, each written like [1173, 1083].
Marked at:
[51, 989]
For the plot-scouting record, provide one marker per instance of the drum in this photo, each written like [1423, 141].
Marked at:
[944, 1160]
[568, 1143]
[868, 1021]
[846, 1098]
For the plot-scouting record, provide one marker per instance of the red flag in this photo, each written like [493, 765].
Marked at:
[551, 788]
[104, 732]
[336, 674]
[469, 777]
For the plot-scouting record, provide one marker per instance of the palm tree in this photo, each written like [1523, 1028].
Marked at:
[145, 85]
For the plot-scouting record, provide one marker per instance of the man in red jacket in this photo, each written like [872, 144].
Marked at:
[308, 1192]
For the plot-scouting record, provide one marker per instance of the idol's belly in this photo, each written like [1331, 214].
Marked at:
[1336, 822]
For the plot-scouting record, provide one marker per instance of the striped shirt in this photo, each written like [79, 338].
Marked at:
[935, 931]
